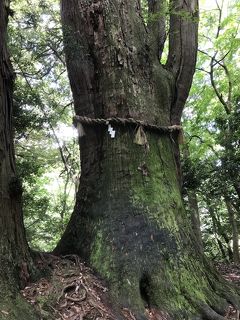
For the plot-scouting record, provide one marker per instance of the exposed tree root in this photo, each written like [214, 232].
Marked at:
[209, 314]
[205, 311]
[220, 300]
[73, 292]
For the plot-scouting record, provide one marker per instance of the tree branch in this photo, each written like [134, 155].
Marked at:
[214, 61]
[220, 8]
[214, 57]
[203, 70]
[182, 51]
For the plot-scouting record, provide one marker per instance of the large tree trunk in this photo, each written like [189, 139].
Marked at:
[14, 251]
[129, 222]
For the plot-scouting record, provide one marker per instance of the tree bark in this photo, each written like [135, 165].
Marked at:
[182, 55]
[157, 25]
[182, 58]
[129, 222]
[14, 251]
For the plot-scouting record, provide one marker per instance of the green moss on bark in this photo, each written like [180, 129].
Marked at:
[17, 309]
[135, 233]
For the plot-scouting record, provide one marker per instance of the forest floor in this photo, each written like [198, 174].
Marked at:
[74, 292]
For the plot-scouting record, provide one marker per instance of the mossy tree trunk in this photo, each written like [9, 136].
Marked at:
[129, 222]
[14, 251]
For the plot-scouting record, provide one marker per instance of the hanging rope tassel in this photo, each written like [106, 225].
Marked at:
[80, 130]
[141, 138]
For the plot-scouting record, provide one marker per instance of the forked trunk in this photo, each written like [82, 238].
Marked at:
[129, 222]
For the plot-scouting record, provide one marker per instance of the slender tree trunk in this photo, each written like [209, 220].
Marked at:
[129, 222]
[234, 227]
[195, 218]
[14, 251]
[193, 205]
[219, 231]
[237, 188]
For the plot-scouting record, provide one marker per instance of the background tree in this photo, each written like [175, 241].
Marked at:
[46, 153]
[15, 261]
[129, 222]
